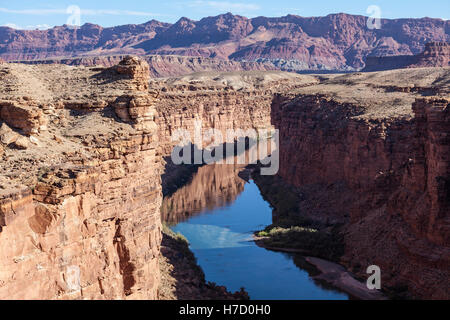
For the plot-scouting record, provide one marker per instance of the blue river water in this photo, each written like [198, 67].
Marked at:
[221, 240]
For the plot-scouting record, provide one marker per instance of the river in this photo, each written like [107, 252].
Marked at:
[218, 212]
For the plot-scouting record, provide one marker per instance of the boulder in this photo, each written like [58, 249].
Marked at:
[28, 118]
[21, 143]
[7, 135]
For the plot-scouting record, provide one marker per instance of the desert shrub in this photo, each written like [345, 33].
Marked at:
[326, 245]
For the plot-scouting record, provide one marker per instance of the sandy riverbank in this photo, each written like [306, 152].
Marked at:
[331, 273]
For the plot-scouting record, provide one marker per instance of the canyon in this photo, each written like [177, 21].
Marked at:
[292, 43]
[84, 149]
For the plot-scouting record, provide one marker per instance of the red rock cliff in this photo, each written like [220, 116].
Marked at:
[85, 225]
[393, 171]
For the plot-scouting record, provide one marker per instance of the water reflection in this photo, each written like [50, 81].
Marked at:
[218, 212]
[221, 242]
[213, 186]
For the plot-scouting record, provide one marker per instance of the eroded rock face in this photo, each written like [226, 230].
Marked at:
[87, 224]
[424, 200]
[394, 172]
[436, 54]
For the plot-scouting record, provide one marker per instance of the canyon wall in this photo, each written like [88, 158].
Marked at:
[217, 109]
[223, 101]
[85, 226]
[82, 152]
[393, 171]
[436, 54]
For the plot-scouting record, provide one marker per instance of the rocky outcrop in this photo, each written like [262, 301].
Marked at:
[436, 54]
[423, 199]
[29, 119]
[334, 42]
[393, 173]
[86, 223]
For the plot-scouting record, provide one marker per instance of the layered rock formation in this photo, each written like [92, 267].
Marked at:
[163, 66]
[334, 42]
[436, 54]
[387, 160]
[79, 206]
[223, 101]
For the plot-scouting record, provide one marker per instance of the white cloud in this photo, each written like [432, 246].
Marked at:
[11, 25]
[225, 5]
[34, 11]
[28, 27]
[38, 26]
[117, 13]
[87, 12]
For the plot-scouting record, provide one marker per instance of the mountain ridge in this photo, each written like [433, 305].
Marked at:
[333, 42]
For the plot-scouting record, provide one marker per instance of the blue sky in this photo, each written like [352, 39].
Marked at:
[28, 14]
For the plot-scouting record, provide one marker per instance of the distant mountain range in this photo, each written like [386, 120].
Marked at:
[334, 42]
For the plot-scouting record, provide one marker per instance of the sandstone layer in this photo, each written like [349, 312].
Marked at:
[79, 201]
[379, 152]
